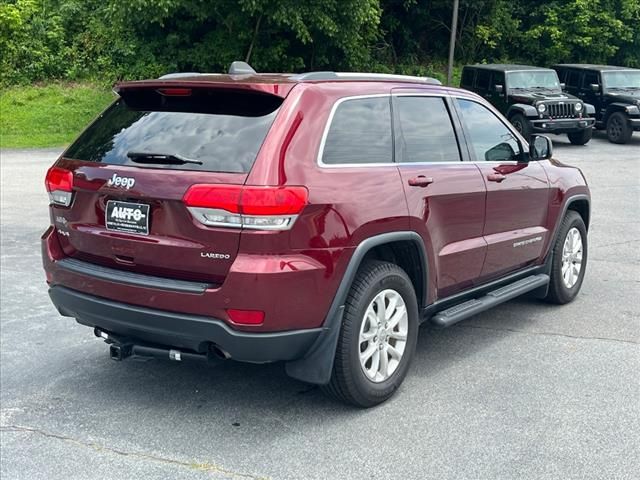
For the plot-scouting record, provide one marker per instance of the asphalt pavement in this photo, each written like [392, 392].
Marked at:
[526, 390]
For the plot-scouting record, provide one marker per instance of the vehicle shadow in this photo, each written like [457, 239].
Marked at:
[237, 394]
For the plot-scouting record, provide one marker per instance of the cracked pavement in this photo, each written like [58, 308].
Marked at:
[526, 390]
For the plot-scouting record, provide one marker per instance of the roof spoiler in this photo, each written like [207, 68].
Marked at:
[243, 68]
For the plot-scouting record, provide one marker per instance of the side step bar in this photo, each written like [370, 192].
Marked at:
[462, 311]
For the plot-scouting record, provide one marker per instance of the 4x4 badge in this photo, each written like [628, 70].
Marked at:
[117, 181]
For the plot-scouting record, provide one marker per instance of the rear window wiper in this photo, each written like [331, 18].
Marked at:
[160, 158]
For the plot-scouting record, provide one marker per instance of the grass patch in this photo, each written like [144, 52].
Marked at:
[48, 115]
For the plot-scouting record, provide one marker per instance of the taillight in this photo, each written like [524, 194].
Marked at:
[262, 208]
[59, 183]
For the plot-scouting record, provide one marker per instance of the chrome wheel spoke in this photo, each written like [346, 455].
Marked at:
[393, 353]
[368, 336]
[397, 317]
[380, 308]
[391, 309]
[375, 363]
[368, 353]
[384, 362]
[402, 336]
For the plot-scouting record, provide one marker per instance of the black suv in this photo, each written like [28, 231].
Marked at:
[614, 91]
[532, 99]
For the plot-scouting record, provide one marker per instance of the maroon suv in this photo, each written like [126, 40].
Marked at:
[316, 219]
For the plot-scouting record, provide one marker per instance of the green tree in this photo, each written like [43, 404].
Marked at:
[31, 42]
[286, 35]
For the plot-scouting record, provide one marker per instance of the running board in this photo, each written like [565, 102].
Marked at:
[459, 312]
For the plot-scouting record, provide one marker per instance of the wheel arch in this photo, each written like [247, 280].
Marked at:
[402, 248]
[580, 203]
[523, 109]
[582, 206]
[615, 108]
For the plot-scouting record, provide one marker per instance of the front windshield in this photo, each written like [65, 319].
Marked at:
[532, 80]
[621, 79]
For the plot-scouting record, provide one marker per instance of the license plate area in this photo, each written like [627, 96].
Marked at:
[127, 217]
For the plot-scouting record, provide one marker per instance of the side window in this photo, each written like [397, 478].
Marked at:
[467, 78]
[589, 78]
[490, 139]
[498, 79]
[573, 79]
[562, 75]
[360, 132]
[482, 79]
[424, 131]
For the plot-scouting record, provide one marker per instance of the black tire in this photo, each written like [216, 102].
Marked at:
[618, 128]
[582, 137]
[348, 382]
[523, 126]
[559, 293]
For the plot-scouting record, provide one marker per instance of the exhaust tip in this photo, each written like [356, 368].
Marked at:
[218, 353]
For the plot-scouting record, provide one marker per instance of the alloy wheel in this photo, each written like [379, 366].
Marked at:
[572, 257]
[383, 335]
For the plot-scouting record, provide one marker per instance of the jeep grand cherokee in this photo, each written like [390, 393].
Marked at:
[316, 219]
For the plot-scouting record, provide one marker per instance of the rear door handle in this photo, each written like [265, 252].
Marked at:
[496, 177]
[420, 181]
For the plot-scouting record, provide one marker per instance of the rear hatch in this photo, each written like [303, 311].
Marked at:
[132, 167]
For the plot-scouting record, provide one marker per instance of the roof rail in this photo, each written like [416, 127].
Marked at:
[319, 76]
[179, 75]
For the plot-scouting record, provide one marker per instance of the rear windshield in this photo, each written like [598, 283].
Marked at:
[222, 130]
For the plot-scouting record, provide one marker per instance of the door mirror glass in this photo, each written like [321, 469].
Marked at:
[540, 148]
[595, 87]
[498, 88]
[563, 86]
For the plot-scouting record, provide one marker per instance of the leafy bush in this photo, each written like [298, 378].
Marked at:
[108, 40]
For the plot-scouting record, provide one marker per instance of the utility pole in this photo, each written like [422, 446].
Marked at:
[452, 41]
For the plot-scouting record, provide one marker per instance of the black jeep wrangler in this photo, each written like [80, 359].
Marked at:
[532, 99]
[614, 92]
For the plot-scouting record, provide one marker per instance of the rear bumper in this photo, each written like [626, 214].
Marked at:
[562, 125]
[196, 333]
[293, 290]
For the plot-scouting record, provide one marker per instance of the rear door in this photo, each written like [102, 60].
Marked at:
[498, 98]
[586, 93]
[133, 165]
[445, 196]
[517, 191]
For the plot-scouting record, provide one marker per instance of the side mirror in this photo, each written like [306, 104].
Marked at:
[540, 148]
[595, 87]
[563, 86]
[498, 88]
[502, 152]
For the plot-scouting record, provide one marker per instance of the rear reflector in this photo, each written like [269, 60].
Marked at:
[246, 317]
[262, 208]
[59, 184]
